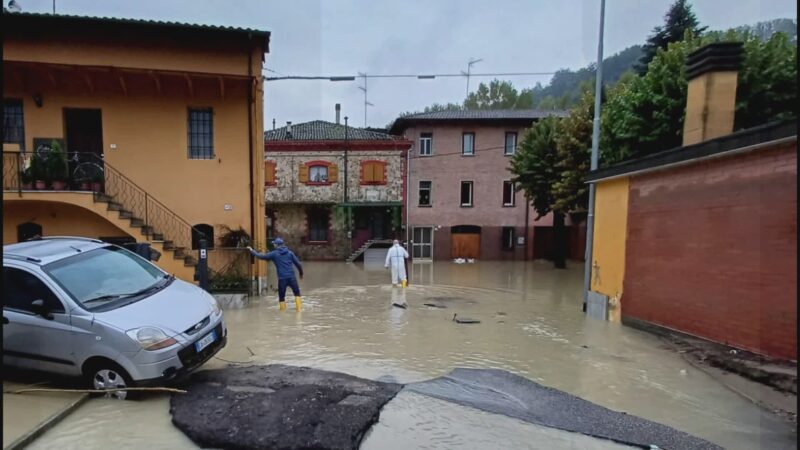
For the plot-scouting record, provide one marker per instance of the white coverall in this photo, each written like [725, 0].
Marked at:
[396, 257]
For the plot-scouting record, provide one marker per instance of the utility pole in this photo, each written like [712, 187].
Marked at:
[598, 88]
[366, 103]
[469, 70]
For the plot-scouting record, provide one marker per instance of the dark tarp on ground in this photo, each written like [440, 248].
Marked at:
[501, 392]
[278, 407]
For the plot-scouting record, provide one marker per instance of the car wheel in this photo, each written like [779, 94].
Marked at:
[107, 375]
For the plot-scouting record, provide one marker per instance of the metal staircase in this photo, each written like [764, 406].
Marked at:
[364, 248]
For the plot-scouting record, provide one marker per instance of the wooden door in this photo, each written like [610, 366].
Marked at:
[466, 245]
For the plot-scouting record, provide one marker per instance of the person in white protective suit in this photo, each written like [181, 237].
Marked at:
[396, 257]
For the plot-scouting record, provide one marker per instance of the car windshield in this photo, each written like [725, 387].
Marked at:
[106, 278]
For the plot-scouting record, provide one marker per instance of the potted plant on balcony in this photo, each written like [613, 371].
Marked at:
[26, 179]
[57, 166]
[39, 171]
[97, 181]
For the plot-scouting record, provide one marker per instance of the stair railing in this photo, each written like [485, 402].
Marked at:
[156, 217]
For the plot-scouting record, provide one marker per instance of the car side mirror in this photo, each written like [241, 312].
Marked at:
[38, 307]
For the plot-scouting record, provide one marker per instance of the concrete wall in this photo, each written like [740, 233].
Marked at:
[288, 188]
[712, 248]
[610, 232]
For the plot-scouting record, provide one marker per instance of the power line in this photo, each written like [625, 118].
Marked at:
[376, 152]
[419, 76]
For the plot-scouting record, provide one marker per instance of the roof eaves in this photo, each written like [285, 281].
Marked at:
[146, 22]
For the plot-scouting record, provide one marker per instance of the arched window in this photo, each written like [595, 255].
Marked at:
[202, 231]
[28, 230]
[318, 173]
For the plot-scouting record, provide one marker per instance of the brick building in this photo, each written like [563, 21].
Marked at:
[462, 202]
[702, 239]
[307, 167]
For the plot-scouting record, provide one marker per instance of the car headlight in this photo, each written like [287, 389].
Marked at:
[151, 338]
[215, 308]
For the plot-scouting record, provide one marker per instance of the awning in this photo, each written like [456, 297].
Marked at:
[368, 204]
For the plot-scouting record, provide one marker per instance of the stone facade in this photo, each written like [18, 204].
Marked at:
[318, 217]
[291, 224]
[289, 189]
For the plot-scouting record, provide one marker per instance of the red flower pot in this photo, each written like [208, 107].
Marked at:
[41, 185]
[85, 186]
[59, 185]
[97, 186]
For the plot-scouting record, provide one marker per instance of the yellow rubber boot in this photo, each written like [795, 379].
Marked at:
[282, 306]
[404, 283]
[298, 303]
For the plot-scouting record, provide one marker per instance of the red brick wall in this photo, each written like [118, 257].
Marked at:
[712, 248]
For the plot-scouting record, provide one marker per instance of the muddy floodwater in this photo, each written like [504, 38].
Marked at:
[530, 324]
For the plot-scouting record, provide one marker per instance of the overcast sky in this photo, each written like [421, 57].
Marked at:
[343, 37]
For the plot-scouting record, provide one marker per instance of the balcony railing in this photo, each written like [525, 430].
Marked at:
[89, 172]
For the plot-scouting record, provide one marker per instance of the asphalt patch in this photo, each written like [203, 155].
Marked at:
[501, 392]
[278, 407]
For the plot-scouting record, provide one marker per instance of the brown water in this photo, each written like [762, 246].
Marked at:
[531, 324]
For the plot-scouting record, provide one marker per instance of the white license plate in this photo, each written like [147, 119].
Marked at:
[205, 341]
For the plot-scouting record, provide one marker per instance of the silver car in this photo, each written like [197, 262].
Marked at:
[81, 307]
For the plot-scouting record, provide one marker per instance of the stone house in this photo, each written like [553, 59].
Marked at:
[462, 202]
[332, 190]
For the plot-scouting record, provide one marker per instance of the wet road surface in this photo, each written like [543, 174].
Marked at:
[531, 325]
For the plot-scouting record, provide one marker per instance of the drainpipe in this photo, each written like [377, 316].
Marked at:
[250, 135]
[348, 213]
[345, 163]
[408, 199]
[527, 231]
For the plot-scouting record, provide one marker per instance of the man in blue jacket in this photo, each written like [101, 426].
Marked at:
[285, 261]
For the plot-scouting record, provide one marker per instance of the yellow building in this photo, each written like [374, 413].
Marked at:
[161, 124]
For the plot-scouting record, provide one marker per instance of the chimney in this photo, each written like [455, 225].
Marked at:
[288, 130]
[712, 72]
[338, 110]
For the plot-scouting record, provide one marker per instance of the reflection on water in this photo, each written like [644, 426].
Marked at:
[531, 324]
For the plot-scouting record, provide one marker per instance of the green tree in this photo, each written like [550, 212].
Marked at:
[645, 115]
[534, 167]
[573, 144]
[679, 20]
[498, 95]
[767, 87]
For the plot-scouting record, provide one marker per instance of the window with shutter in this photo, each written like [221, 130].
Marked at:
[269, 173]
[373, 172]
[318, 173]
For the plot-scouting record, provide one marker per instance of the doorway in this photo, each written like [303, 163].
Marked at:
[83, 129]
[465, 242]
[422, 243]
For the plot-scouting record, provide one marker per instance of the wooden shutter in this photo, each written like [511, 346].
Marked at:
[380, 173]
[303, 173]
[366, 172]
[269, 172]
[333, 173]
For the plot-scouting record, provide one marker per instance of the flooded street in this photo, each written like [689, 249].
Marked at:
[531, 324]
